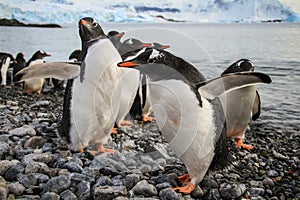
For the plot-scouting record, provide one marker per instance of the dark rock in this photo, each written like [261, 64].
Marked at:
[273, 173]
[212, 194]
[27, 180]
[130, 180]
[77, 178]
[256, 191]
[4, 150]
[35, 142]
[14, 22]
[57, 184]
[232, 191]
[72, 167]
[145, 189]
[11, 174]
[83, 190]
[5, 165]
[197, 193]
[209, 183]
[3, 188]
[108, 192]
[162, 186]
[169, 194]
[164, 178]
[104, 180]
[41, 178]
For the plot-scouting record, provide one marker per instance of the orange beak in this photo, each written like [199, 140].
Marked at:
[145, 44]
[83, 22]
[165, 46]
[120, 34]
[128, 64]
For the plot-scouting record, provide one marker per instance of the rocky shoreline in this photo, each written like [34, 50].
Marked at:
[14, 22]
[36, 164]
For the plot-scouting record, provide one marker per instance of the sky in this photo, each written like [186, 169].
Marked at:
[294, 4]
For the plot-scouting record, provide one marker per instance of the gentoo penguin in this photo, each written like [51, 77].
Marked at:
[93, 100]
[240, 105]
[5, 59]
[129, 46]
[75, 55]
[35, 85]
[189, 114]
[115, 38]
[20, 63]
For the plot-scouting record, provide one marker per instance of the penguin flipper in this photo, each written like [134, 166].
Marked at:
[229, 82]
[57, 70]
[256, 107]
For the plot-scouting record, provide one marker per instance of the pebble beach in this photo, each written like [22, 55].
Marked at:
[36, 163]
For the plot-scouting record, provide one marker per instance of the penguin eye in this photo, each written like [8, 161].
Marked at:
[151, 60]
[95, 24]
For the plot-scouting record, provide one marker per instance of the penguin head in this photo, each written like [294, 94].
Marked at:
[115, 34]
[75, 54]
[160, 46]
[241, 65]
[89, 29]
[40, 55]
[20, 56]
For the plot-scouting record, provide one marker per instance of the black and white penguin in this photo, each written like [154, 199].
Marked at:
[20, 63]
[189, 114]
[130, 45]
[240, 105]
[75, 55]
[94, 100]
[35, 85]
[115, 38]
[5, 61]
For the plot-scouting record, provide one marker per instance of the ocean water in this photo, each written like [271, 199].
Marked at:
[273, 49]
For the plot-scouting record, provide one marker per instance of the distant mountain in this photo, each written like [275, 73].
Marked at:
[211, 11]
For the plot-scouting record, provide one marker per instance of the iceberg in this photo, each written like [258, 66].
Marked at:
[212, 11]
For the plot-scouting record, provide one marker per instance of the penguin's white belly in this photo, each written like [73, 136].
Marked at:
[34, 85]
[128, 84]
[93, 106]
[187, 127]
[237, 106]
[4, 68]
[147, 107]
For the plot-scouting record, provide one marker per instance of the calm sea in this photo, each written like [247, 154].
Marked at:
[273, 48]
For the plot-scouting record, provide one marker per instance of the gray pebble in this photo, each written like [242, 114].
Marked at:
[256, 191]
[16, 188]
[50, 196]
[40, 103]
[103, 180]
[35, 142]
[162, 186]
[83, 190]
[169, 194]
[108, 192]
[232, 191]
[3, 188]
[57, 184]
[72, 167]
[11, 173]
[145, 189]
[209, 183]
[27, 180]
[6, 164]
[268, 182]
[4, 150]
[41, 178]
[130, 180]
[273, 173]
[77, 178]
[22, 131]
[68, 195]
[212, 194]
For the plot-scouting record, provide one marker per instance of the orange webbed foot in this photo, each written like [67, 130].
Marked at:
[184, 178]
[148, 119]
[187, 189]
[101, 148]
[239, 143]
[114, 131]
[125, 122]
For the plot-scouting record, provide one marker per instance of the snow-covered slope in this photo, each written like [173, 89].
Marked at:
[69, 11]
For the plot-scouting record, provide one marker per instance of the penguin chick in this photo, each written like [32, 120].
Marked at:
[240, 105]
[189, 114]
[35, 85]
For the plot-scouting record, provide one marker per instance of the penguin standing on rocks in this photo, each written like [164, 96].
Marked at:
[35, 85]
[20, 63]
[5, 59]
[188, 111]
[94, 94]
[240, 105]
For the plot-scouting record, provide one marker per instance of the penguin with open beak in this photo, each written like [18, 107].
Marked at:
[240, 105]
[188, 110]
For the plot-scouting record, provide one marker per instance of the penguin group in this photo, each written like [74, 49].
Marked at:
[110, 79]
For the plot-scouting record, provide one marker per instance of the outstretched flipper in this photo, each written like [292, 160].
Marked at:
[256, 107]
[58, 70]
[229, 82]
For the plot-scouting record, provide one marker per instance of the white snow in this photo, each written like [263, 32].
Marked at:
[212, 11]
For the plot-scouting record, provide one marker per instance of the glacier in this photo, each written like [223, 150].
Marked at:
[204, 11]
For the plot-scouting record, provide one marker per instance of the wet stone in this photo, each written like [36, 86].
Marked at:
[268, 182]
[22, 131]
[35, 142]
[104, 180]
[83, 190]
[108, 192]
[11, 174]
[4, 150]
[162, 186]
[130, 180]
[273, 173]
[3, 188]
[67, 195]
[72, 167]
[27, 180]
[232, 191]
[6, 164]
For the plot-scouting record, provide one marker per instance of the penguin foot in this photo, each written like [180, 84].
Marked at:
[148, 119]
[101, 148]
[114, 131]
[187, 189]
[184, 178]
[239, 143]
[125, 122]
